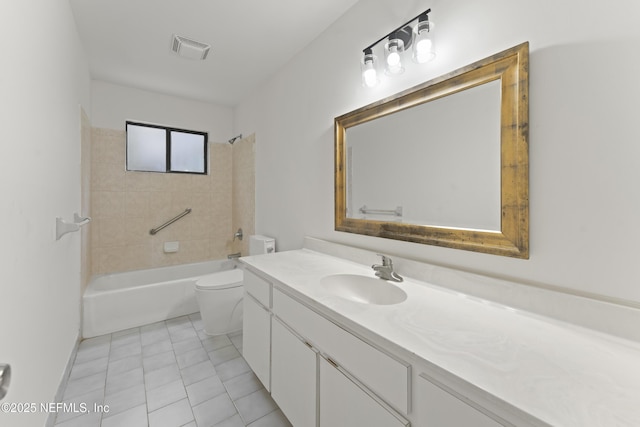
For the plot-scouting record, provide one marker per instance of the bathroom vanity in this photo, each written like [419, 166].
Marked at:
[332, 355]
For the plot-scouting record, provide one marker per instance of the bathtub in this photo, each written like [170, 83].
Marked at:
[118, 301]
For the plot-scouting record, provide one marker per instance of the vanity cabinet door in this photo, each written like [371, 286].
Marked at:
[293, 376]
[346, 403]
[256, 338]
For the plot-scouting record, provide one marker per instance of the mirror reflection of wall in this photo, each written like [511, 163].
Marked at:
[439, 161]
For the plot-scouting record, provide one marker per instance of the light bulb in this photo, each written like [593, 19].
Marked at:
[393, 58]
[370, 77]
[423, 47]
[423, 51]
[368, 68]
[392, 51]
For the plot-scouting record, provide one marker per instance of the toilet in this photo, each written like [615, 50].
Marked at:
[219, 295]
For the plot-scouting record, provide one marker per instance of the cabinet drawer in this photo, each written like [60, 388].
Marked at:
[384, 375]
[259, 288]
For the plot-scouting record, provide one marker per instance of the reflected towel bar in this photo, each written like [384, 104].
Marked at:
[397, 211]
[171, 221]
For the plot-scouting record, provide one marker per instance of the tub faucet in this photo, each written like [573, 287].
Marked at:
[385, 271]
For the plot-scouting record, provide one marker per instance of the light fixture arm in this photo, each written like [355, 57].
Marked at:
[426, 12]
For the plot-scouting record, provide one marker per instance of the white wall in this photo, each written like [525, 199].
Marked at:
[43, 81]
[112, 105]
[584, 150]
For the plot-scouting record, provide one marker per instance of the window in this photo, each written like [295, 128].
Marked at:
[152, 148]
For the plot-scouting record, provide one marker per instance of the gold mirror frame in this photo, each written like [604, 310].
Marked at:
[511, 67]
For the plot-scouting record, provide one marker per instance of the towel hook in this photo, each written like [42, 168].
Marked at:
[63, 227]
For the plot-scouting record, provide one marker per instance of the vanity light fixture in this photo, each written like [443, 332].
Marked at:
[397, 42]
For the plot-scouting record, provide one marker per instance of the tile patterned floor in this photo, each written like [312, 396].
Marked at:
[167, 374]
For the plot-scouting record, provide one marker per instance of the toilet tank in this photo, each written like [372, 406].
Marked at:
[261, 245]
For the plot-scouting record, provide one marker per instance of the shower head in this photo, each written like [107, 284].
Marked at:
[232, 140]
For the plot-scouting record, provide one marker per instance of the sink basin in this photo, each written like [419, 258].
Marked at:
[363, 289]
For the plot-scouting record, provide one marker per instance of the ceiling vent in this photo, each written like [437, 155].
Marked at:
[188, 48]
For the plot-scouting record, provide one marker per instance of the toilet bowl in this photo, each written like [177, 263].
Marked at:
[219, 297]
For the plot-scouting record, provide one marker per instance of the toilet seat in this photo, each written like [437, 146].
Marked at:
[220, 280]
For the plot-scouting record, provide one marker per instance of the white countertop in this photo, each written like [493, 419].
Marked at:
[562, 374]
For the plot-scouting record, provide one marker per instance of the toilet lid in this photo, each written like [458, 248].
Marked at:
[221, 280]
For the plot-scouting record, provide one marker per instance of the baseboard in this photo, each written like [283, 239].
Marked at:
[51, 418]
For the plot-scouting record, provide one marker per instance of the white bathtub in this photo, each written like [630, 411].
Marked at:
[118, 301]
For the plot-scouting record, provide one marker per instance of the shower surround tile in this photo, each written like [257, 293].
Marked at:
[244, 183]
[125, 205]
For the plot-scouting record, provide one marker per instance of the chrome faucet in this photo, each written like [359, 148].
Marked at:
[385, 271]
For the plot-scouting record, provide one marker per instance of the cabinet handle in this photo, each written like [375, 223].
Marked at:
[308, 344]
[331, 361]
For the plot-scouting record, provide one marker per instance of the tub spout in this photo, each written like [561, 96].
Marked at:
[234, 256]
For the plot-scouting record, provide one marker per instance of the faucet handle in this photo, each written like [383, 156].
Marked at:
[386, 261]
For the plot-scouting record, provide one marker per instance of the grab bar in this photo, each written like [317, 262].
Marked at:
[171, 221]
[397, 211]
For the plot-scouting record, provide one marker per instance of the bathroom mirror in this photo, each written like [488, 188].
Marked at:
[444, 163]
